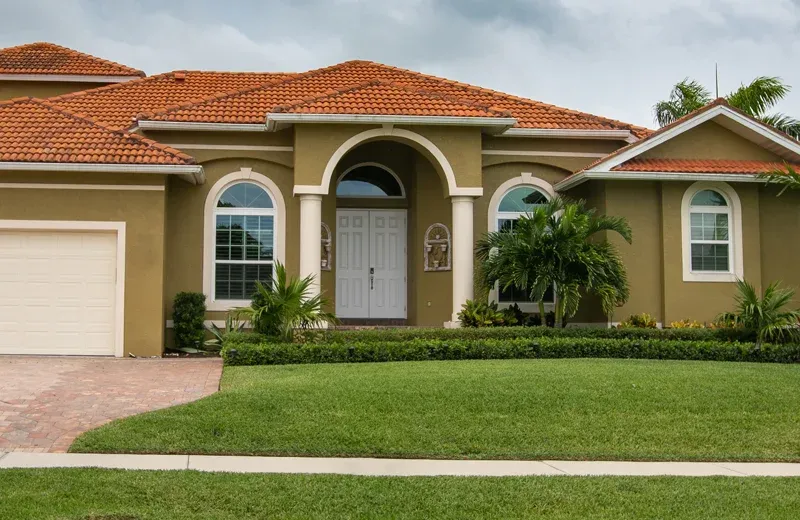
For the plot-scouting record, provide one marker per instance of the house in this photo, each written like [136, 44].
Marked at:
[375, 180]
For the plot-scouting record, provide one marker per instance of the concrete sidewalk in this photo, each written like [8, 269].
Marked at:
[397, 467]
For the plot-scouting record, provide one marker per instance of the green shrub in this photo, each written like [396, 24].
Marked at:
[188, 315]
[478, 314]
[639, 321]
[521, 348]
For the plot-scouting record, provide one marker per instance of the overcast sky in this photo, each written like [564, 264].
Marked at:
[609, 57]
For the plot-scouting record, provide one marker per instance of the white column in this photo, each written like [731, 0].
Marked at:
[463, 254]
[311, 238]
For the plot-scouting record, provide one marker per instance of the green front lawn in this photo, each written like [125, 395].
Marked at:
[517, 409]
[82, 494]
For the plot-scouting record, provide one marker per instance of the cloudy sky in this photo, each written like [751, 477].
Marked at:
[609, 57]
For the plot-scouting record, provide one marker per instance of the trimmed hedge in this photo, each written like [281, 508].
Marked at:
[248, 353]
[508, 333]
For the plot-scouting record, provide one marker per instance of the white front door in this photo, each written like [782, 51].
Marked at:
[371, 264]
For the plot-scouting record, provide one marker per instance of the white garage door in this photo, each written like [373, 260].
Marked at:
[57, 292]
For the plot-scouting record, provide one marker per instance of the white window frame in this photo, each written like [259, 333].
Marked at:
[209, 240]
[735, 246]
[525, 179]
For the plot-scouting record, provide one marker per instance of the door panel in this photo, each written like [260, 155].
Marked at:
[388, 255]
[352, 264]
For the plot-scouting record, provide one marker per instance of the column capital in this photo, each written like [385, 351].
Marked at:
[309, 196]
[455, 199]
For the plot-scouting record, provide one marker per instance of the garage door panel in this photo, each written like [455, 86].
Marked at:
[57, 292]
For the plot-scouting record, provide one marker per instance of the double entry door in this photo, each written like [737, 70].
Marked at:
[371, 263]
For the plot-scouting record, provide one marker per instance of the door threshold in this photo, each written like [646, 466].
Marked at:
[372, 322]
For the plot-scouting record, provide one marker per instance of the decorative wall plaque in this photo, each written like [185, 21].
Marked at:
[327, 241]
[437, 248]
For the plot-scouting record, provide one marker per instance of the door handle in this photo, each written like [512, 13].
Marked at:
[371, 278]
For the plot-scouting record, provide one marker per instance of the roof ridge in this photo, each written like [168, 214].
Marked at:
[133, 71]
[393, 84]
[497, 93]
[238, 92]
[124, 133]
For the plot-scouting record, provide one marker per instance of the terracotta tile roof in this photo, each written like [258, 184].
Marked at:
[698, 166]
[35, 130]
[385, 98]
[48, 58]
[250, 105]
[117, 105]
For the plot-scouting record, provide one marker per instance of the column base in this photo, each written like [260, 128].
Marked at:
[452, 324]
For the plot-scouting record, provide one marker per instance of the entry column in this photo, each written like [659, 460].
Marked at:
[463, 254]
[311, 238]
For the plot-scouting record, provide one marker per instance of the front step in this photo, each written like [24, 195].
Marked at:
[369, 323]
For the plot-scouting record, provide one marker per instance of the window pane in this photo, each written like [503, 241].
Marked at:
[505, 224]
[710, 257]
[708, 198]
[709, 226]
[245, 195]
[238, 281]
[523, 199]
[369, 181]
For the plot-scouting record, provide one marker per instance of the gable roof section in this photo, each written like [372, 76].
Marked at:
[34, 134]
[50, 62]
[622, 163]
[250, 106]
[117, 105]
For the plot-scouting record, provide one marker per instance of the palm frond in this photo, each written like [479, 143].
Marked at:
[786, 124]
[759, 96]
[786, 177]
[686, 97]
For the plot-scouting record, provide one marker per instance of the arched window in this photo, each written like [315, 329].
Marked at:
[513, 199]
[244, 233]
[369, 180]
[711, 233]
[244, 241]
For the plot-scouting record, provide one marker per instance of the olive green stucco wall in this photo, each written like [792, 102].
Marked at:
[143, 213]
[709, 140]
[41, 89]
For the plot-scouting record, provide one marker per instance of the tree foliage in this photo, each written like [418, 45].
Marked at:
[763, 314]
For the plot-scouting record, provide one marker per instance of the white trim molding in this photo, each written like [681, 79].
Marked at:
[494, 125]
[581, 177]
[146, 124]
[193, 173]
[524, 179]
[89, 225]
[105, 187]
[735, 245]
[233, 147]
[543, 153]
[209, 235]
[566, 133]
[376, 165]
[388, 132]
[71, 78]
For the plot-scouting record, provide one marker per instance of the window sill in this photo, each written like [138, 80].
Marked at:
[226, 305]
[710, 277]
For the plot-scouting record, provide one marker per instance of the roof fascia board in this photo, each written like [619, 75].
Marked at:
[580, 178]
[491, 124]
[692, 123]
[72, 78]
[194, 171]
[145, 124]
[568, 133]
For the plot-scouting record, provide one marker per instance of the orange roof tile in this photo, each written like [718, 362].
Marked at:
[385, 98]
[35, 130]
[250, 104]
[117, 105]
[699, 166]
[48, 58]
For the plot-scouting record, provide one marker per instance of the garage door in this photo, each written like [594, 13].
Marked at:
[57, 292]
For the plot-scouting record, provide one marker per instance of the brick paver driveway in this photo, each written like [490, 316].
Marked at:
[45, 402]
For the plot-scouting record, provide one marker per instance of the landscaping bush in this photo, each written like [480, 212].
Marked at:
[419, 349]
[188, 315]
[639, 321]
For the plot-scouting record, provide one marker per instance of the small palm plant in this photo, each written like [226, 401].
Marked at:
[278, 309]
[765, 315]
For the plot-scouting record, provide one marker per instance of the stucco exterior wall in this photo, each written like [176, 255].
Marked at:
[779, 226]
[569, 154]
[709, 140]
[144, 215]
[41, 89]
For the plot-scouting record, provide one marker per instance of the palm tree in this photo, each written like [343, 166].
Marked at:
[763, 314]
[786, 177]
[755, 99]
[557, 245]
[277, 309]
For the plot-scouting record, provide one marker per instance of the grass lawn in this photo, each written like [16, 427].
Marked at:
[138, 495]
[524, 409]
